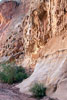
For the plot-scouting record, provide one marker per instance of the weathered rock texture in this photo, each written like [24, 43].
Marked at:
[7, 9]
[46, 19]
[38, 41]
[46, 42]
[11, 16]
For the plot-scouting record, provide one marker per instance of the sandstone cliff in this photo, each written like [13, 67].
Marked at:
[11, 16]
[38, 40]
[45, 38]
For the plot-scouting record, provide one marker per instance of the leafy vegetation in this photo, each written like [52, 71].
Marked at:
[38, 90]
[12, 73]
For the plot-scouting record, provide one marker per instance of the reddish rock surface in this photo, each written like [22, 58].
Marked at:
[11, 16]
[8, 8]
[11, 12]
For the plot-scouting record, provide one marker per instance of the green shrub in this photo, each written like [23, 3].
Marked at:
[12, 74]
[20, 76]
[38, 90]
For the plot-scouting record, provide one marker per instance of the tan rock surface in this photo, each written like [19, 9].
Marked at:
[50, 68]
[39, 40]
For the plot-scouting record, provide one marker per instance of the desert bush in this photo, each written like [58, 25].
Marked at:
[38, 90]
[12, 73]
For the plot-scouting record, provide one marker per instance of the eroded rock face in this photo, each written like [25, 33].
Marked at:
[7, 9]
[59, 16]
[44, 33]
[11, 18]
[40, 25]
[39, 41]
[48, 19]
[50, 71]
[2, 20]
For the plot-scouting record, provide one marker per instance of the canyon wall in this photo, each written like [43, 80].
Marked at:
[45, 20]
[45, 44]
[36, 38]
[6, 12]
[11, 16]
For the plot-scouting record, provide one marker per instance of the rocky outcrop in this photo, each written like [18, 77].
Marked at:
[7, 9]
[39, 41]
[45, 41]
[11, 17]
[52, 72]
[40, 25]
[46, 21]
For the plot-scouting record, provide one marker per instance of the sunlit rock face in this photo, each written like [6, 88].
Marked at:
[45, 42]
[48, 19]
[59, 16]
[50, 71]
[45, 20]
[41, 24]
[37, 41]
[1, 19]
